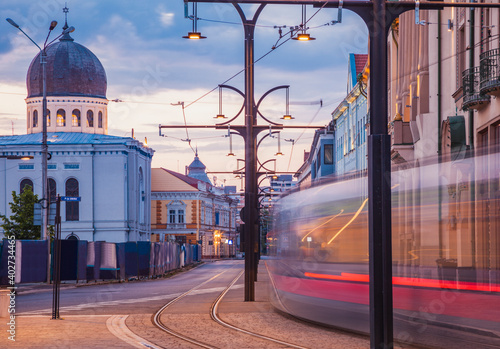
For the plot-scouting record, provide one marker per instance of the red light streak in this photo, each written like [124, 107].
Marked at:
[415, 282]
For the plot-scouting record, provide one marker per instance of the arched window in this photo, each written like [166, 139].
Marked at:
[28, 119]
[35, 118]
[76, 119]
[52, 190]
[25, 182]
[99, 120]
[72, 207]
[48, 118]
[61, 118]
[90, 118]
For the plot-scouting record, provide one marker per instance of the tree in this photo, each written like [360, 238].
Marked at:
[20, 224]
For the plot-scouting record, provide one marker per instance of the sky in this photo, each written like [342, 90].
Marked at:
[151, 69]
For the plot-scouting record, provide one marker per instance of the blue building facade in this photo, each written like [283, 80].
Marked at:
[340, 148]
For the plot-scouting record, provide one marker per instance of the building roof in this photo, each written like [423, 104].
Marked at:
[197, 170]
[360, 62]
[72, 70]
[191, 181]
[355, 66]
[63, 138]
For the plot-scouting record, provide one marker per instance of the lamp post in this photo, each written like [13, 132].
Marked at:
[45, 153]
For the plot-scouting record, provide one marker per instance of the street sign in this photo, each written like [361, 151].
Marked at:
[71, 198]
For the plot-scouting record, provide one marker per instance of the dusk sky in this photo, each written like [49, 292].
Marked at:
[149, 67]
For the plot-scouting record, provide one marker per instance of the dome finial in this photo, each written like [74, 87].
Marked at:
[66, 37]
[196, 152]
[65, 10]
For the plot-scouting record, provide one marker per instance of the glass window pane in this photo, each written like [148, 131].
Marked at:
[90, 118]
[61, 118]
[76, 118]
[25, 182]
[72, 207]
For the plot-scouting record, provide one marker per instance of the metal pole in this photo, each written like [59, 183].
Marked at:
[249, 135]
[57, 262]
[250, 165]
[45, 201]
[379, 187]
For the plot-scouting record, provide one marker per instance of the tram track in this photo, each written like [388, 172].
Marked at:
[214, 315]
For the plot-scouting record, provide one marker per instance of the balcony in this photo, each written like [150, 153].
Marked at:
[472, 99]
[176, 226]
[490, 72]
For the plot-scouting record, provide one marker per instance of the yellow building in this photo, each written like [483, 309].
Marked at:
[188, 208]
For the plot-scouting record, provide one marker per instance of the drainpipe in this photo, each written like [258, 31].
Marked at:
[471, 66]
[127, 163]
[93, 193]
[471, 142]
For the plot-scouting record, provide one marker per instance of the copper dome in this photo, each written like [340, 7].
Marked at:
[72, 70]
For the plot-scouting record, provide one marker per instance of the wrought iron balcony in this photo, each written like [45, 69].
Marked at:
[490, 72]
[472, 99]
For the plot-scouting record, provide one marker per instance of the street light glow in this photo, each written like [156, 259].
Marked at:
[194, 36]
[304, 37]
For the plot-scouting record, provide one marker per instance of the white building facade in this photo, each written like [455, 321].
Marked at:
[111, 175]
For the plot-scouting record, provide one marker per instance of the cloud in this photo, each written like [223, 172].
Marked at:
[149, 66]
[166, 18]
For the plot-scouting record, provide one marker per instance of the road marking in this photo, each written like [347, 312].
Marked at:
[116, 325]
[126, 301]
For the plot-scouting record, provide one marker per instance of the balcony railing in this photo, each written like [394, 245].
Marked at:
[176, 226]
[473, 99]
[490, 72]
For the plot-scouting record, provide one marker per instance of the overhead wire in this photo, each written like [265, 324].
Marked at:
[259, 59]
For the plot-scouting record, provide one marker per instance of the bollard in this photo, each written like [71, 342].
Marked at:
[4, 302]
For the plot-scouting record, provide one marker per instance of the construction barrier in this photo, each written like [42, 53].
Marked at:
[97, 260]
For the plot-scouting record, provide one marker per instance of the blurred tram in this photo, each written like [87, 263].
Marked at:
[446, 253]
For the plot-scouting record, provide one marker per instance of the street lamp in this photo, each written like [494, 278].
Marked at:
[303, 36]
[43, 61]
[195, 34]
[17, 157]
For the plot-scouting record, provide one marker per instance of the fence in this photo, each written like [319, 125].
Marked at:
[87, 261]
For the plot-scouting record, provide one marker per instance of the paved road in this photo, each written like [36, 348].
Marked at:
[120, 316]
[124, 298]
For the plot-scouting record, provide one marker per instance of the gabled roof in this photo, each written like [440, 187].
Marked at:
[355, 66]
[191, 181]
[360, 62]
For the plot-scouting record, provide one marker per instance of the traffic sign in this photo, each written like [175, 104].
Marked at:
[71, 198]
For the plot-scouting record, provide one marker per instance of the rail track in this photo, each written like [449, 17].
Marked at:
[214, 315]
